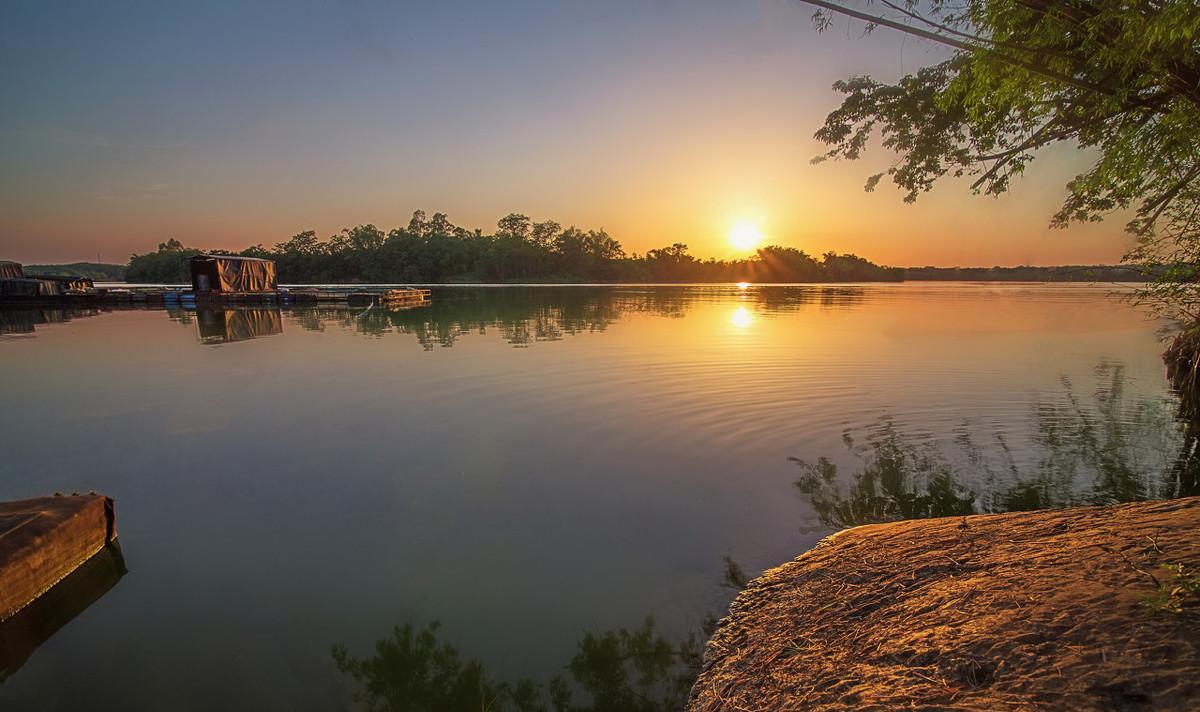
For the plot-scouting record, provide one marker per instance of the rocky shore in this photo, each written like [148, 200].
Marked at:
[1083, 608]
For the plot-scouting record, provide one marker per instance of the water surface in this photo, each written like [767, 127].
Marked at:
[527, 465]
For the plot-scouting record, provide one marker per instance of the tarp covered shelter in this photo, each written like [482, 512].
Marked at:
[30, 287]
[66, 282]
[15, 283]
[228, 273]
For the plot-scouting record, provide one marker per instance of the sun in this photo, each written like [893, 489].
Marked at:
[745, 236]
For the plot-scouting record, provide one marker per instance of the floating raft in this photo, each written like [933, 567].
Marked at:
[223, 299]
[43, 540]
[392, 298]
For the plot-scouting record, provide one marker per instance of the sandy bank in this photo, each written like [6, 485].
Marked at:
[1040, 610]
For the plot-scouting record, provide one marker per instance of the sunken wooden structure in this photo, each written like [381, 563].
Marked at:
[43, 540]
[34, 624]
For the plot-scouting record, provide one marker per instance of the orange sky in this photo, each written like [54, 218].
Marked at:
[661, 124]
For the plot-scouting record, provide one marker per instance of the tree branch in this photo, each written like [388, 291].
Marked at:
[959, 44]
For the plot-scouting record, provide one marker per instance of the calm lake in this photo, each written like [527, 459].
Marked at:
[530, 465]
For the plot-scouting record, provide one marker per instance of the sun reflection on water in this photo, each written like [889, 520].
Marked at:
[741, 317]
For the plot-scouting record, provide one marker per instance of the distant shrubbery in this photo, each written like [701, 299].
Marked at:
[1067, 273]
[92, 270]
[520, 250]
[169, 265]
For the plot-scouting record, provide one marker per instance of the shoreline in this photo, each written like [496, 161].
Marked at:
[1053, 609]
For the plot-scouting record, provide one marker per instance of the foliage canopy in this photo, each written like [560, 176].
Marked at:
[1119, 79]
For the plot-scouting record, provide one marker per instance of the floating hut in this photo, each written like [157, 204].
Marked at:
[229, 276]
[18, 287]
[43, 540]
[11, 270]
[67, 283]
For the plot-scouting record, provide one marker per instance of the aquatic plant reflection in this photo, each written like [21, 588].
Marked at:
[1113, 449]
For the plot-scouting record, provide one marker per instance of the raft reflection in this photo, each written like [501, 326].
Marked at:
[18, 321]
[223, 326]
[34, 624]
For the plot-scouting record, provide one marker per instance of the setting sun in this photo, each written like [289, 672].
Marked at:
[745, 236]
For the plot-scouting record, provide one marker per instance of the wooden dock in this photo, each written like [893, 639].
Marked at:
[160, 297]
[398, 298]
[43, 540]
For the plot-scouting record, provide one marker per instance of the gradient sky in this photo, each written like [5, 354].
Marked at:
[227, 124]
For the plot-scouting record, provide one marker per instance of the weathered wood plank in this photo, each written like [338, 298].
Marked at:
[43, 540]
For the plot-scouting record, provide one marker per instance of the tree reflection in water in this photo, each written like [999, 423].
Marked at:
[1114, 448]
[619, 671]
[527, 315]
[1117, 449]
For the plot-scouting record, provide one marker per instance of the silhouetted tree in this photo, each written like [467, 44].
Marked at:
[1120, 79]
[436, 250]
[168, 265]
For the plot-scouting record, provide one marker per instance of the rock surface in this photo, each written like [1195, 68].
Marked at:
[1037, 610]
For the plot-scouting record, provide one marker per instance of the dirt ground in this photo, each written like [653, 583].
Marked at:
[1042, 610]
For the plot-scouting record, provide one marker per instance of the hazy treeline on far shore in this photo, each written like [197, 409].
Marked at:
[432, 249]
[520, 250]
[1064, 273]
[98, 271]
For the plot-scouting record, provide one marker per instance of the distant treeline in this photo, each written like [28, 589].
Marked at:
[1068, 273]
[520, 250]
[97, 271]
[431, 250]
